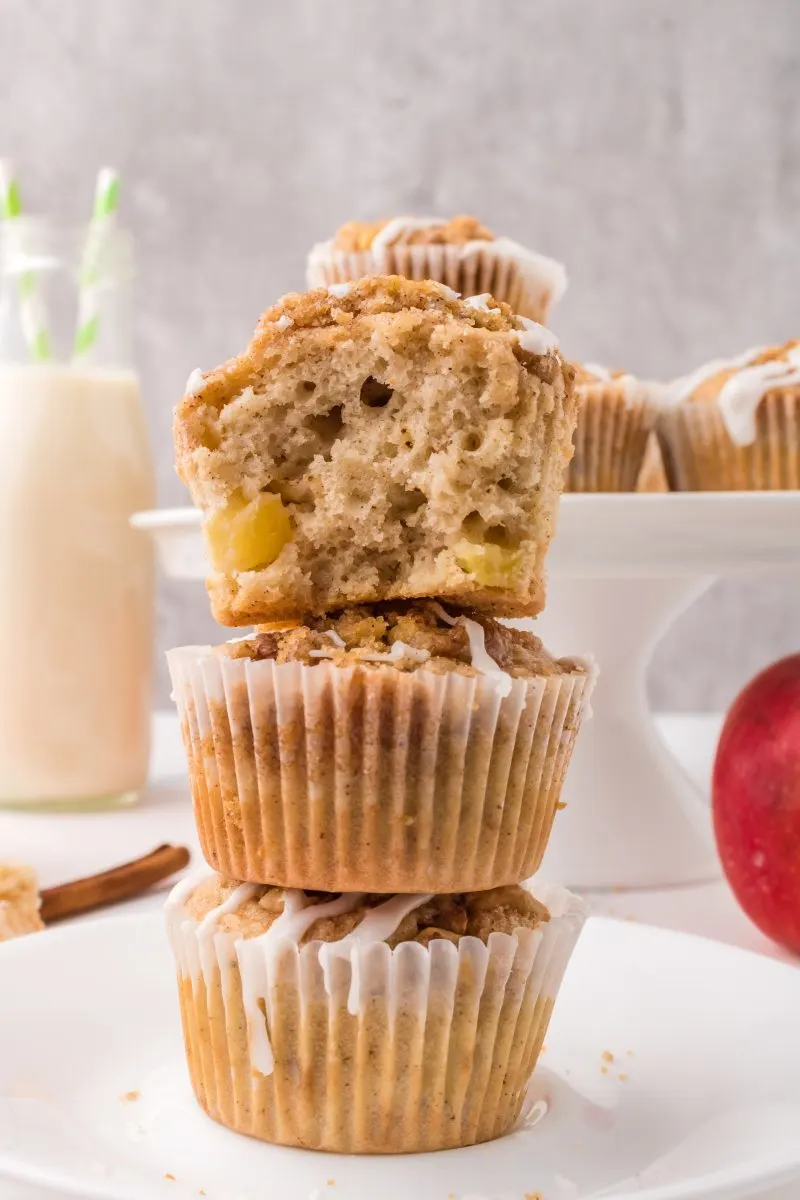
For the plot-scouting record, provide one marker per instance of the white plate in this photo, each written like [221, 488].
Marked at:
[705, 1034]
[599, 536]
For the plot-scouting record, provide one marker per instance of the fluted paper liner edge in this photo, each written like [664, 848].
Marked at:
[528, 282]
[390, 1051]
[351, 779]
[700, 455]
[610, 438]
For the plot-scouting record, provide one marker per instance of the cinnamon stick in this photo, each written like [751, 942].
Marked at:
[109, 887]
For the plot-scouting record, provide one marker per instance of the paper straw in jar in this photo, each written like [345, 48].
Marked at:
[104, 213]
[34, 326]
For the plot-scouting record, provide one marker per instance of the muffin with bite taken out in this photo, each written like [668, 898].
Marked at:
[382, 442]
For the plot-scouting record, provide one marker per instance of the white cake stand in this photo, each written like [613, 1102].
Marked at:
[622, 568]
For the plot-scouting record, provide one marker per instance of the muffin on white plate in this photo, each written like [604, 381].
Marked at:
[459, 252]
[367, 1024]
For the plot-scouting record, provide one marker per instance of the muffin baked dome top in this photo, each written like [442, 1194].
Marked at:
[411, 231]
[379, 440]
[251, 910]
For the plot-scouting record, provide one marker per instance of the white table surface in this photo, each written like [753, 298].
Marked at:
[64, 846]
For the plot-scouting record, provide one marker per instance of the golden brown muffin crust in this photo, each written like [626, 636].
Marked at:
[298, 312]
[418, 624]
[463, 914]
[709, 389]
[357, 236]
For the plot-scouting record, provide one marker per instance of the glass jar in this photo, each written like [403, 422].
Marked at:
[76, 602]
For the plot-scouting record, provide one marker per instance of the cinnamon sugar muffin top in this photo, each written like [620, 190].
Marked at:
[404, 637]
[738, 385]
[379, 440]
[463, 914]
[708, 382]
[411, 231]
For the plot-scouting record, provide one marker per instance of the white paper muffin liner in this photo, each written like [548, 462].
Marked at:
[351, 779]
[388, 1051]
[615, 420]
[700, 455]
[530, 283]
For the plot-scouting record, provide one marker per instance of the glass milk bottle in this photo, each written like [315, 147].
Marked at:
[76, 582]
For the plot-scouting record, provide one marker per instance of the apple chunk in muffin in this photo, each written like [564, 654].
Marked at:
[377, 441]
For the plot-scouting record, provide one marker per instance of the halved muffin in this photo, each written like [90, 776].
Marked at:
[735, 424]
[367, 1024]
[459, 252]
[398, 748]
[375, 442]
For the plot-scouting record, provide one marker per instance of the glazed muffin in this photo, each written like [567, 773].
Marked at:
[19, 901]
[394, 748]
[616, 414]
[735, 424]
[375, 442]
[367, 1024]
[459, 252]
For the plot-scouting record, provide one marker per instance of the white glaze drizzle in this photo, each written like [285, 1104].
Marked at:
[631, 387]
[537, 266]
[535, 338]
[339, 290]
[398, 651]
[336, 638]
[238, 897]
[742, 393]
[442, 612]
[255, 956]
[448, 292]
[479, 302]
[482, 660]
[283, 322]
[195, 383]
[393, 230]
[681, 388]
[377, 925]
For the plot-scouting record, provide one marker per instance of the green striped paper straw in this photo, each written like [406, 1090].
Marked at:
[106, 202]
[34, 326]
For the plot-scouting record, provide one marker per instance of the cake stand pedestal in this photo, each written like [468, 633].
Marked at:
[621, 569]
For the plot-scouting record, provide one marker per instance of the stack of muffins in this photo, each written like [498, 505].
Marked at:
[377, 767]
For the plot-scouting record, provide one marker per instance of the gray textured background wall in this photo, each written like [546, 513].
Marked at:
[653, 146]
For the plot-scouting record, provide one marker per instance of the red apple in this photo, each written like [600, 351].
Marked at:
[756, 800]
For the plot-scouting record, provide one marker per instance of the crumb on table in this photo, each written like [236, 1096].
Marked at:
[129, 1097]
